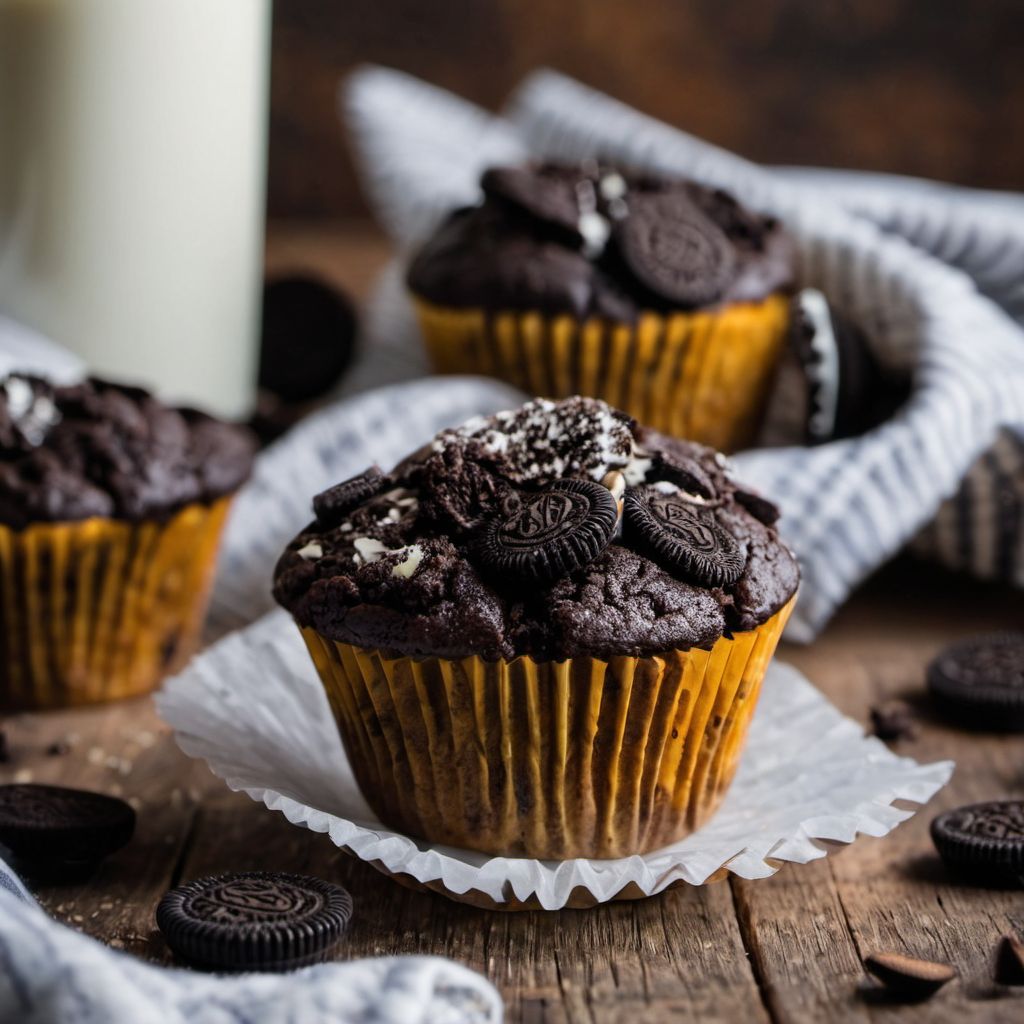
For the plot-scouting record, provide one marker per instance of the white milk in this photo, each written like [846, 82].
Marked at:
[132, 153]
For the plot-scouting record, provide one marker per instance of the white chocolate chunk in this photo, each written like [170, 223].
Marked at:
[411, 558]
[311, 552]
[368, 550]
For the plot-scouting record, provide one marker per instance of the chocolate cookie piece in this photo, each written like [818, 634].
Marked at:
[985, 840]
[331, 506]
[548, 194]
[1009, 964]
[893, 720]
[683, 536]
[674, 250]
[61, 834]
[759, 507]
[550, 533]
[979, 682]
[254, 921]
[907, 977]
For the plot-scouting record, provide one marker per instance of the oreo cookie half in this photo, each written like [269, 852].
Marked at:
[255, 921]
[332, 505]
[986, 840]
[549, 196]
[61, 834]
[979, 682]
[551, 533]
[685, 473]
[675, 250]
[684, 537]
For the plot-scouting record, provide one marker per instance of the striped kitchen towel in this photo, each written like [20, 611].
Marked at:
[934, 276]
[51, 974]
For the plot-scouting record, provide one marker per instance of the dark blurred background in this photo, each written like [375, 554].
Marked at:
[925, 87]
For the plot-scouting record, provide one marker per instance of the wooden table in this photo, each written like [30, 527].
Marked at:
[787, 948]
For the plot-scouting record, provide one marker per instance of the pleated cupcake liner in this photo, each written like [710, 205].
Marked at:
[102, 609]
[552, 760]
[703, 375]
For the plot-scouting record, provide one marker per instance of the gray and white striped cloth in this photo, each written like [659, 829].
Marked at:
[51, 974]
[934, 275]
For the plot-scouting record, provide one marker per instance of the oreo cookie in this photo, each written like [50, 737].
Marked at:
[308, 337]
[674, 250]
[331, 506]
[548, 533]
[985, 840]
[546, 194]
[255, 921]
[979, 682]
[684, 537]
[60, 834]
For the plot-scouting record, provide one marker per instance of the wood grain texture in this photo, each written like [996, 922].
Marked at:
[784, 949]
[927, 87]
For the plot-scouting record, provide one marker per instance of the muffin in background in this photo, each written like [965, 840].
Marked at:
[544, 633]
[111, 510]
[661, 297]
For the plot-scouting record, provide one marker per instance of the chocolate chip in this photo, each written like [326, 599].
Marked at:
[548, 195]
[267, 921]
[59, 833]
[985, 840]
[1009, 968]
[684, 537]
[760, 508]
[552, 533]
[893, 720]
[908, 977]
[58, 749]
[674, 250]
[331, 506]
[979, 682]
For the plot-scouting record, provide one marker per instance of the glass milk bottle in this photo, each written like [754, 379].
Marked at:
[132, 166]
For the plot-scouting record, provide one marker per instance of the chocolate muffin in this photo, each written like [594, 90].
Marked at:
[659, 296]
[111, 509]
[544, 633]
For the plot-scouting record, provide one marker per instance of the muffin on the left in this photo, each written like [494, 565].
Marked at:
[112, 506]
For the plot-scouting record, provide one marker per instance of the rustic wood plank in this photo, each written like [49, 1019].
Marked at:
[893, 894]
[676, 957]
[125, 751]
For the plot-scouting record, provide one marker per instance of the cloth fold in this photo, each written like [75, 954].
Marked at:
[50, 973]
[933, 278]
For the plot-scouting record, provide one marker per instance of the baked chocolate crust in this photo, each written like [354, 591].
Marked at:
[400, 572]
[100, 449]
[517, 250]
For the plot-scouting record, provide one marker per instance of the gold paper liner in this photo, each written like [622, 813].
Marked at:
[552, 760]
[702, 375]
[101, 609]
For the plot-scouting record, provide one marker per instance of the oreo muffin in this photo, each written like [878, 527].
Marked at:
[544, 633]
[111, 509]
[661, 297]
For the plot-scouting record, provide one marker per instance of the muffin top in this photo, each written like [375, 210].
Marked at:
[102, 449]
[591, 241]
[554, 530]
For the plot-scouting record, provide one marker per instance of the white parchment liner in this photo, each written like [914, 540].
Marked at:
[253, 708]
